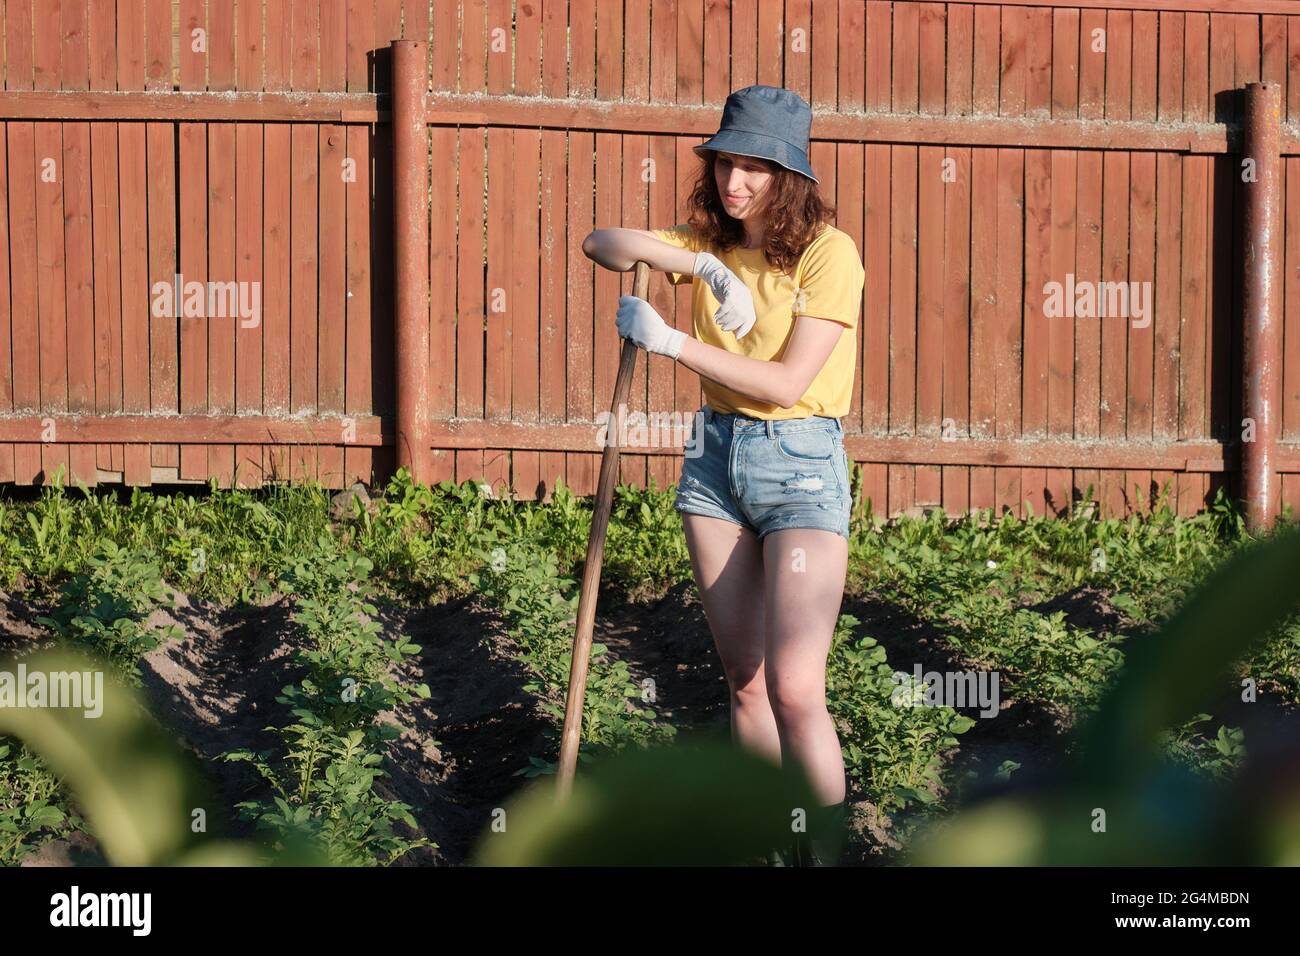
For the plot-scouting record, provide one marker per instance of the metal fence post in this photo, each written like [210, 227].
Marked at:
[411, 256]
[1261, 172]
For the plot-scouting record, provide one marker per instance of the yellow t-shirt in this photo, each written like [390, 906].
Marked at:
[830, 276]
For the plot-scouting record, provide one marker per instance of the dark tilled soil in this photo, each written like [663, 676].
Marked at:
[20, 632]
[1084, 607]
[669, 642]
[457, 752]
[460, 750]
[215, 688]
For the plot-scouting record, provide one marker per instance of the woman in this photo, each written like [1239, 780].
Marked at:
[765, 504]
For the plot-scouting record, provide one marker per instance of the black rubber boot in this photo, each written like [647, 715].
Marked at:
[823, 844]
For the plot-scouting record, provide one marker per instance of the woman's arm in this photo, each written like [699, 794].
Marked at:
[781, 382]
[620, 249]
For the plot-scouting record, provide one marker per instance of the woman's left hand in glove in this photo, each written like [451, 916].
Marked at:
[638, 321]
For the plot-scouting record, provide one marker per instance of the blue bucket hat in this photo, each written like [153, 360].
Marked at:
[767, 122]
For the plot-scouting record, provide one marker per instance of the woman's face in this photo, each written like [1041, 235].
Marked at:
[741, 181]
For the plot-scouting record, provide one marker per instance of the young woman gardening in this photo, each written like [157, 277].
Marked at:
[765, 497]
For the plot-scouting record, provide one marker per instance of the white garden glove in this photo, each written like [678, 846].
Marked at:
[637, 320]
[735, 301]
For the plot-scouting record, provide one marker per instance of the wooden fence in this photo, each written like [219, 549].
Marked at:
[975, 152]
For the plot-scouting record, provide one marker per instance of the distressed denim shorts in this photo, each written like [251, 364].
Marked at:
[767, 475]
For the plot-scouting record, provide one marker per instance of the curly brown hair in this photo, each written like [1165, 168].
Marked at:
[793, 212]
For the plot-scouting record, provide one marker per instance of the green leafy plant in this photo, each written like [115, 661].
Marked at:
[893, 751]
[104, 607]
[539, 607]
[324, 778]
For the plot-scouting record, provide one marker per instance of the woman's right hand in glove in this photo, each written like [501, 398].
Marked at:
[735, 302]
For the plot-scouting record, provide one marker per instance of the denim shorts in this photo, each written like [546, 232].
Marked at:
[767, 475]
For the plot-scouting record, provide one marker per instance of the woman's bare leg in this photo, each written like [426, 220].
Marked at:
[804, 586]
[728, 565]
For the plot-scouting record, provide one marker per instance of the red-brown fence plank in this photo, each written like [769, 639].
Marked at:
[304, 290]
[1220, 278]
[1142, 224]
[771, 43]
[633, 468]
[994, 39]
[359, 461]
[332, 242]
[443, 251]
[276, 237]
[1293, 66]
[579, 472]
[1247, 48]
[634, 199]
[525, 340]
[222, 226]
[956, 324]
[192, 239]
[6, 315]
[663, 45]
[580, 467]
[416, 20]
[1291, 288]
[690, 47]
[874, 357]
[525, 472]
[876, 198]
[851, 92]
[1057, 487]
[904, 96]
[1166, 322]
[662, 197]
[501, 307]
[1193, 386]
[1112, 494]
[51, 300]
[959, 78]
[22, 186]
[688, 390]
[850, 205]
[717, 46]
[608, 214]
[930, 251]
[78, 239]
[470, 299]
[101, 30]
[605, 343]
[1037, 259]
[248, 331]
[1005, 415]
[388, 27]
[745, 53]
[1087, 341]
[528, 48]
[581, 30]
[555, 230]
[1273, 69]
[133, 211]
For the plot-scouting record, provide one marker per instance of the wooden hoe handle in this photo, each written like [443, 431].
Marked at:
[595, 555]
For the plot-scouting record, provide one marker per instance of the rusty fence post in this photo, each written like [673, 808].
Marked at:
[411, 257]
[1261, 172]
